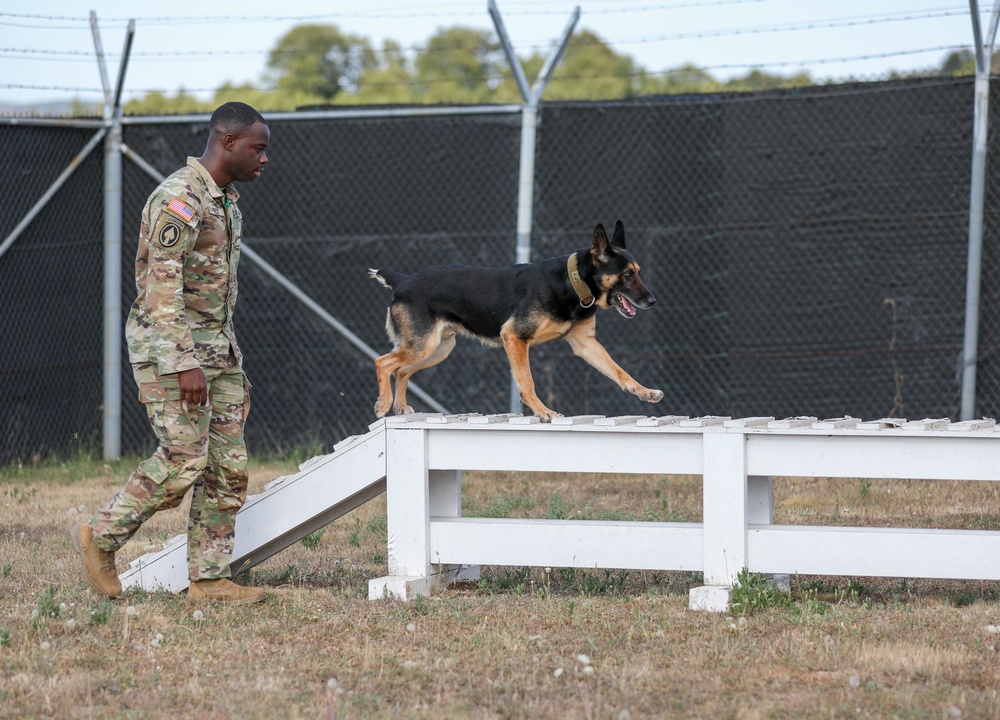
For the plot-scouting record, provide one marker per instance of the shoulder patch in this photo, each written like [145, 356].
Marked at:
[181, 209]
[169, 235]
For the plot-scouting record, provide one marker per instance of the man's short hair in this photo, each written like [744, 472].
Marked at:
[234, 117]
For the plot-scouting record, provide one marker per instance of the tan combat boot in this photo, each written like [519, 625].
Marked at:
[98, 565]
[224, 590]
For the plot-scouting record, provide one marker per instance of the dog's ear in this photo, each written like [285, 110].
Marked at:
[599, 245]
[618, 239]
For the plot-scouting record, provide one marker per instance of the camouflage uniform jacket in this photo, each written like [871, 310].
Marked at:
[185, 274]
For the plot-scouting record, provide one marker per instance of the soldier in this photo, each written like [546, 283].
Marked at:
[187, 364]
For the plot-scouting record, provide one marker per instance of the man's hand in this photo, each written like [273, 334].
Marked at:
[193, 387]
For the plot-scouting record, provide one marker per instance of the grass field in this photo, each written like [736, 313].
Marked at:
[531, 643]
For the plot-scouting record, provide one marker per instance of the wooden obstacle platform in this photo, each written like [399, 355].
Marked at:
[418, 461]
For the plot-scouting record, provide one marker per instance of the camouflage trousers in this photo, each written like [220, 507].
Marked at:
[200, 448]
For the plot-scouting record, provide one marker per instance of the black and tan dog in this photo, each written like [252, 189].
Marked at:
[517, 307]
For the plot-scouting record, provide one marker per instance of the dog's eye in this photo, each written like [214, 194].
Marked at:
[628, 275]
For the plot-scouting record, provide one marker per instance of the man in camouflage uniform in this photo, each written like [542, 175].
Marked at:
[187, 364]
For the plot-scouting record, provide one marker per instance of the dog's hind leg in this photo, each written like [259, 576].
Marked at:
[517, 355]
[385, 367]
[396, 319]
[405, 360]
[585, 345]
[443, 348]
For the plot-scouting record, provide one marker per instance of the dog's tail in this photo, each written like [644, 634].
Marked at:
[386, 277]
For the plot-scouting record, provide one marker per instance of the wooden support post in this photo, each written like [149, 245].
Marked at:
[446, 502]
[725, 518]
[412, 490]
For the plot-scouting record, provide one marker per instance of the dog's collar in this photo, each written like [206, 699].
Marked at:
[582, 291]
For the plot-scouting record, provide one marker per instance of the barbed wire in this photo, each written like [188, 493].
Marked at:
[420, 82]
[78, 56]
[412, 12]
[729, 32]
[730, 66]
[846, 22]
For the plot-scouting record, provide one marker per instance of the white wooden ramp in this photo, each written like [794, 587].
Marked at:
[290, 508]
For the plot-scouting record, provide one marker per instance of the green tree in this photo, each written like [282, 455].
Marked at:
[159, 103]
[319, 60]
[317, 65]
[461, 65]
[390, 81]
[590, 70]
[959, 62]
[264, 100]
[757, 80]
[685, 79]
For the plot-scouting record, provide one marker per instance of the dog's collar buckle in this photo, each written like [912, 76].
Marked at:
[582, 291]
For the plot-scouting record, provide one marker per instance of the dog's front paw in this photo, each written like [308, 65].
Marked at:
[652, 396]
[382, 407]
[546, 415]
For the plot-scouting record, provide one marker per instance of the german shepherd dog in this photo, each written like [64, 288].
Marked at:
[516, 307]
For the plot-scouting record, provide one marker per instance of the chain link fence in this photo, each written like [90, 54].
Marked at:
[807, 249]
[50, 294]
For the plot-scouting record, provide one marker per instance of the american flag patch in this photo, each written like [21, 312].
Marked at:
[181, 209]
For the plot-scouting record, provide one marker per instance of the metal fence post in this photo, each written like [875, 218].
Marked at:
[112, 292]
[529, 127]
[980, 127]
[112, 361]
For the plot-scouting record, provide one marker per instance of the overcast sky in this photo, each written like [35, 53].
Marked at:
[48, 45]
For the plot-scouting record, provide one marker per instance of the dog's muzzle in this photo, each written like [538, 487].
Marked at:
[627, 307]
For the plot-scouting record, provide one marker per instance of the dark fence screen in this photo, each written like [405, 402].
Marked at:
[807, 250]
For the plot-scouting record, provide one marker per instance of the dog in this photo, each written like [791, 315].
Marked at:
[515, 307]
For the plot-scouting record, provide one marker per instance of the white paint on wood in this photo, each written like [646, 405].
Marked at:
[418, 460]
[567, 543]
[324, 489]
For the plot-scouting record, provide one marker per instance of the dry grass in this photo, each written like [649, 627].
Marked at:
[510, 646]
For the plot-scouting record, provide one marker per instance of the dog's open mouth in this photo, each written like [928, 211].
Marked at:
[624, 306]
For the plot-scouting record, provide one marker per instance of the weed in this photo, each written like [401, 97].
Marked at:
[504, 580]
[591, 584]
[501, 507]
[612, 583]
[287, 575]
[354, 537]
[100, 612]
[8, 568]
[613, 514]
[4, 637]
[858, 592]
[559, 509]
[311, 540]
[420, 605]
[568, 576]
[753, 593]
[546, 589]
[21, 496]
[864, 487]
[814, 607]
[378, 525]
[48, 606]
